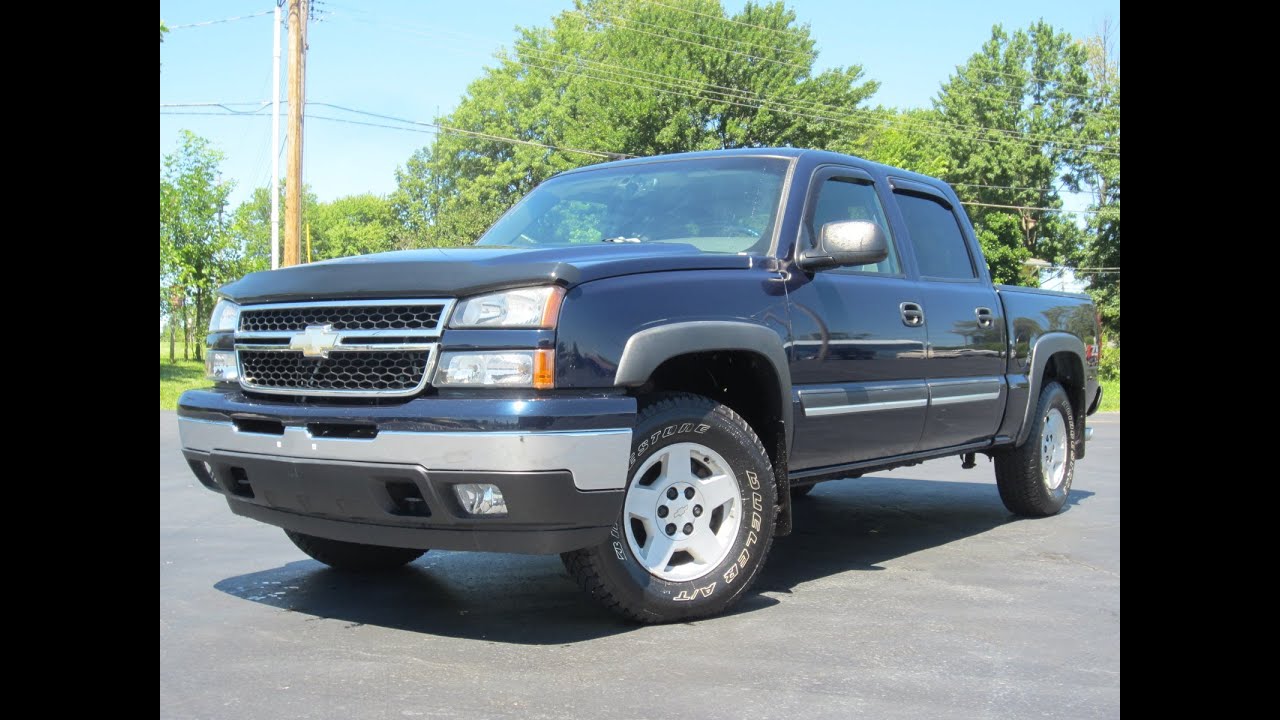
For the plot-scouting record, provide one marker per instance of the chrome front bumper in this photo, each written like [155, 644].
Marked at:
[597, 459]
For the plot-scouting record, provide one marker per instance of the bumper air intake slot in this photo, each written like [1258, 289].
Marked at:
[259, 426]
[345, 431]
[406, 499]
[239, 484]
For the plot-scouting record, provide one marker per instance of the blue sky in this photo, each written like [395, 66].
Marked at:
[414, 59]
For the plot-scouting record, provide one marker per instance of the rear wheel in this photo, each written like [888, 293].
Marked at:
[697, 518]
[1035, 478]
[353, 557]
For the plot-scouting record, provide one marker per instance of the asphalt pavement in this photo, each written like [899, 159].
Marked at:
[909, 594]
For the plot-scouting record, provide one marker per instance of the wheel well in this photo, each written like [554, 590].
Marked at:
[1068, 371]
[745, 382]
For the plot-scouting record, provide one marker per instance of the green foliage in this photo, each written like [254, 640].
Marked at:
[1110, 396]
[1024, 92]
[352, 225]
[624, 77]
[1101, 174]
[163, 29]
[197, 253]
[177, 377]
[902, 140]
[1109, 363]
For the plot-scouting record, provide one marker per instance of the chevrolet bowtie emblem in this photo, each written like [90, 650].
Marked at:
[315, 342]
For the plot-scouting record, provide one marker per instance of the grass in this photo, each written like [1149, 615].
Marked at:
[1110, 396]
[179, 376]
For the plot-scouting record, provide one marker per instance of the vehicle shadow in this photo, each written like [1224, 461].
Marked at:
[522, 599]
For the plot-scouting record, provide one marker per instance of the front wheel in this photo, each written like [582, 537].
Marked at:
[697, 518]
[353, 557]
[1035, 478]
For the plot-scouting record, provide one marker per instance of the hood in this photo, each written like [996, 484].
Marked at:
[455, 272]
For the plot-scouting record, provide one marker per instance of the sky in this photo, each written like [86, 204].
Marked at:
[414, 59]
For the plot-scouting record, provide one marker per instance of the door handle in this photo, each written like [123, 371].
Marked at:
[985, 317]
[912, 314]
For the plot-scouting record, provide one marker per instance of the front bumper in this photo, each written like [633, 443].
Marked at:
[384, 475]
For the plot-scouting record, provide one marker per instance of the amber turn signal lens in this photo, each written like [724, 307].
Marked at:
[544, 369]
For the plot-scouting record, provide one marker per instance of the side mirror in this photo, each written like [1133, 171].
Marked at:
[845, 244]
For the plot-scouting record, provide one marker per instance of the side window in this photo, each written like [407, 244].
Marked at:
[941, 251]
[841, 199]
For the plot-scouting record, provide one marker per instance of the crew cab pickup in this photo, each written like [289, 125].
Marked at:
[639, 366]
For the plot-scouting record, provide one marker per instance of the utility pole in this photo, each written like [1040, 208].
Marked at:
[297, 102]
[275, 138]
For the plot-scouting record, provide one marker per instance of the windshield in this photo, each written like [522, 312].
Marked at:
[718, 205]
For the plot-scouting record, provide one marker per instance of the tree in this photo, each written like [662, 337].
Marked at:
[1100, 174]
[903, 139]
[352, 225]
[197, 254]
[412, 201]
[614, 78]
[1014, 115]
[251, 226]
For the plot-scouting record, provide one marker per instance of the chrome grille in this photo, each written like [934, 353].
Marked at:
[401, 316]
[373, 348]
[378, 371]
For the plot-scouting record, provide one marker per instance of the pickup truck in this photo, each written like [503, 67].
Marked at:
[639, 366]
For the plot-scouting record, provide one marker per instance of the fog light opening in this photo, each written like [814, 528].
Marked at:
[481, 499]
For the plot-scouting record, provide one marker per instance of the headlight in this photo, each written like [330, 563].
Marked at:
[226, 315]
[507, 368]
[524, 308]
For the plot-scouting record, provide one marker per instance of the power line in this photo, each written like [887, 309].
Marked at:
[759, 102]
[804, 53]
[223, 20]
[225, 106]
[1033, 78]
[1034, 209]
[788, 110]
[472, 133]
[803, 36]
[436, 127]
[688, 42]
[891, 119]
[721, 18]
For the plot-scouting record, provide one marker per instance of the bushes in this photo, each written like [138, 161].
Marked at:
[1109, 364]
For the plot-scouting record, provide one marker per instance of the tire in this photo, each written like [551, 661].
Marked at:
[353, 557]
[1035, 478]
[727, 497]
[801, 491]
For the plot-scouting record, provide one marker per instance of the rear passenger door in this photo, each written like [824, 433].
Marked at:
[964, 366]
[857, 366]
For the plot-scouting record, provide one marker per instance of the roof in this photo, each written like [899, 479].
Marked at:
[815, 157]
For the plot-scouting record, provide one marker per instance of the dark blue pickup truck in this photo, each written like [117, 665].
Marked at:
[639, 367]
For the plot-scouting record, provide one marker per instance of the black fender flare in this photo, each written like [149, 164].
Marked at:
[1045, 347]
[649, 348]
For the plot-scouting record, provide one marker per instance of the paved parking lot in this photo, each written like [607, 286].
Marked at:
[907, 594]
